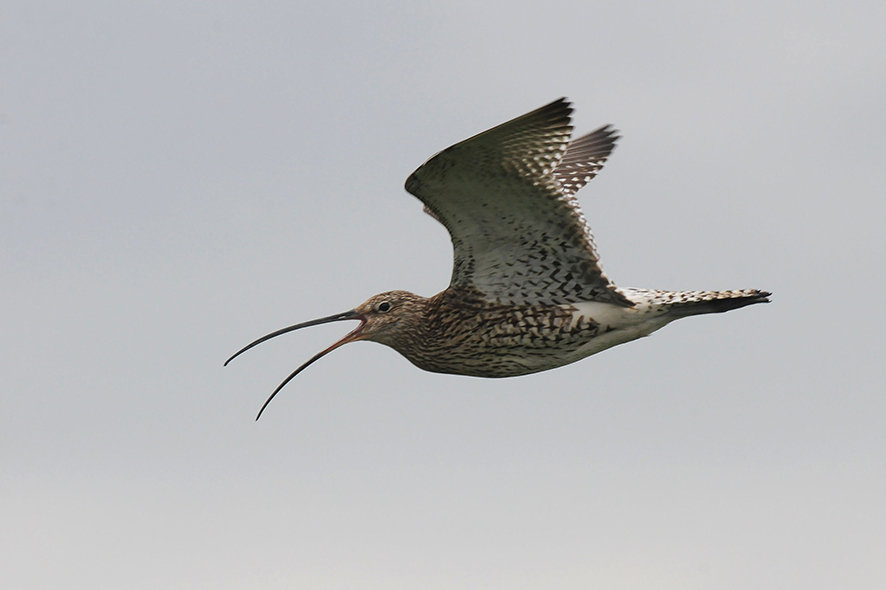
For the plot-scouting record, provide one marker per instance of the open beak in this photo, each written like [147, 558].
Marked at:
[351, 337]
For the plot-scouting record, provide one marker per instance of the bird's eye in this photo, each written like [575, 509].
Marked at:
[383, 306]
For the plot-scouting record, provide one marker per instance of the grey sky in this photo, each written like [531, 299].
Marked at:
[179, 178]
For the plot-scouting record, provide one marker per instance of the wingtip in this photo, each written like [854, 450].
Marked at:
[561, 107]
[610, 132]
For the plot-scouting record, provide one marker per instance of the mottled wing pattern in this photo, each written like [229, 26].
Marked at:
[585, 158]
[507, 198]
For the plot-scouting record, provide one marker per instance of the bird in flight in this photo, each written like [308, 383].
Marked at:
[527, 293]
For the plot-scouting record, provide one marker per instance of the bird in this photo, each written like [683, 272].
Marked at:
[527, 292]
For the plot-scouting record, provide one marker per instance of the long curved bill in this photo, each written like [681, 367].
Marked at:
[352, 336]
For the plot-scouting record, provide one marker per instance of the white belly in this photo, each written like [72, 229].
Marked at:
[617, 324]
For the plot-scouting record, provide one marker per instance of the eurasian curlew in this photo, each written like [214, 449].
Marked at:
[527, 292]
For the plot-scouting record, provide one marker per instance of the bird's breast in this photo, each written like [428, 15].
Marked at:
[502, 341]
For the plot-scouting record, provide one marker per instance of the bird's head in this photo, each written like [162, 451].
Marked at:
[390, 318]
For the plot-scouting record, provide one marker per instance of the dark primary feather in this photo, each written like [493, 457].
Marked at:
[507, 199]
[585, 158]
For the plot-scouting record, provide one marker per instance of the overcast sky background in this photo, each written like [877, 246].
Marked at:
[178, 178]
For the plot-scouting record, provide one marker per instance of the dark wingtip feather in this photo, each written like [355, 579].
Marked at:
[720, 305]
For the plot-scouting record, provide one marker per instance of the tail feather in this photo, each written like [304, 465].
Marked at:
[686, 303]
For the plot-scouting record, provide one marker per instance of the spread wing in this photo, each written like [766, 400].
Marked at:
[507, 197]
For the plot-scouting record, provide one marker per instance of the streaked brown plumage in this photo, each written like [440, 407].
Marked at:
[527, 292]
